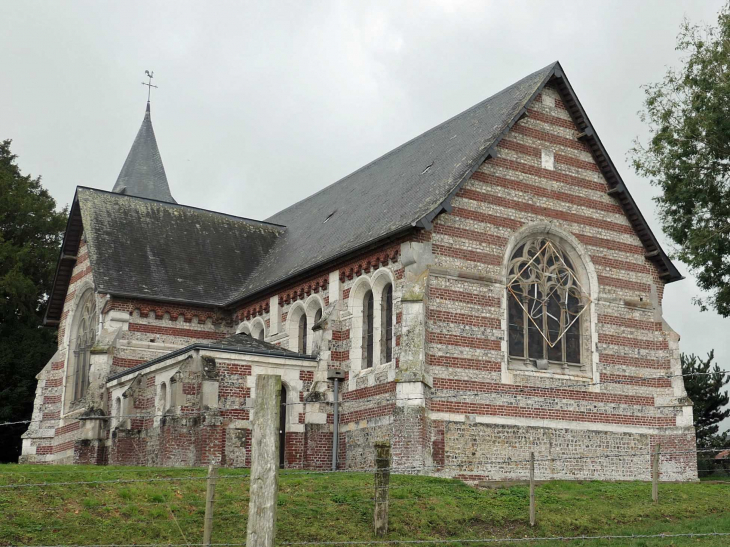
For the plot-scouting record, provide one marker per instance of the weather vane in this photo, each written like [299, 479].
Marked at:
[149, 85]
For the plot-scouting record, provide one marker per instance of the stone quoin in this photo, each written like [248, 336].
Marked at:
[487, 289]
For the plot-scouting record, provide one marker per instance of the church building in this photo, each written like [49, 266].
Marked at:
[485, 290]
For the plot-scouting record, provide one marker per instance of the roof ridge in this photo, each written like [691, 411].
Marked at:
[435, 127]
[176, 204]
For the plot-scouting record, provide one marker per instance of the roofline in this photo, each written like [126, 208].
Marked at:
[445, 206]
[153, 298]
[655, 253]
[409, 141]
[321, 265]
[181, 205]
[617, 188]
[74, 212]
[214, 347]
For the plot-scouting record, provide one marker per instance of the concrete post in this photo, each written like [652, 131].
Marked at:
[382, 484]
[655, 475]
[209, 499]
[264, 462]
[532, 489]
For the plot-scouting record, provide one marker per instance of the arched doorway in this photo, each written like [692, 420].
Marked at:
[282, 427]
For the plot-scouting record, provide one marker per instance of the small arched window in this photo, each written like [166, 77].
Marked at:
[545, 302]
[367, 329]
[260, 335]
[317, 316]
[302, 333]
[83, 339]
[386, 324]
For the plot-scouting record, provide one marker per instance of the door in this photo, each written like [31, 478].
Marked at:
[282, 427]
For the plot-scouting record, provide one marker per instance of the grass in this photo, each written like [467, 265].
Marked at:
[338, 507]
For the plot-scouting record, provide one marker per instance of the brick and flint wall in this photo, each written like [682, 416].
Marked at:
[627, 338]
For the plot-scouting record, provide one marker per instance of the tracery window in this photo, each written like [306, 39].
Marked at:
[386, 324]
[545, 304]
[83, 339]
[367, 329]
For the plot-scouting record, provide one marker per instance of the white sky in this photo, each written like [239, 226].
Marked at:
[261, 104]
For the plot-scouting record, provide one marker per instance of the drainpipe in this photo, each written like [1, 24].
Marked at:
[336, 375]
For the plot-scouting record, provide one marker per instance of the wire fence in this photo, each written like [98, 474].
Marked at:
[127, 506]
[164, 506]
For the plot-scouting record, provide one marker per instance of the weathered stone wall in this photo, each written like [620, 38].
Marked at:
[483, 451]
[51, 435]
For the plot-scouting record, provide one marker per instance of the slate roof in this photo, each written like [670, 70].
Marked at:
[143, 174]
[146, 248]
[163, 251]
[400, 190]
[238, 343]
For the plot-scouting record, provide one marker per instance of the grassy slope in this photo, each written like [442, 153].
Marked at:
[330, 507]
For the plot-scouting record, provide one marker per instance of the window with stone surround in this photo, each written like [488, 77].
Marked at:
[301, 319]
[386, 324]
[546, 304]
[302, 334]
[367, 329]
[83, 336]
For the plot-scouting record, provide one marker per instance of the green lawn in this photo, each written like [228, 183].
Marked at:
[338, 507]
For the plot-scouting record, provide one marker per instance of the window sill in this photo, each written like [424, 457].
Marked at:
[554, 370]
[374, 369]
[74, 411]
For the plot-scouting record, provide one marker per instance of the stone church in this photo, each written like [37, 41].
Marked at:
[487, 289]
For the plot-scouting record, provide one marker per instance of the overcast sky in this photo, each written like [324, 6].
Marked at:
[263, 103]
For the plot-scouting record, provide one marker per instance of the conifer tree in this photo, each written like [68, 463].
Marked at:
[705, 389]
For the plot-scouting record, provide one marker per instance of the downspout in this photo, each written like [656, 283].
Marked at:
[336, 428]
[336, 375]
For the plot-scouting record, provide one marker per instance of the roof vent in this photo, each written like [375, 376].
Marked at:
[427, 168]
[329, 216]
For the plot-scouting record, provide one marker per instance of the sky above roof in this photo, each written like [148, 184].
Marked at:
[262, 104]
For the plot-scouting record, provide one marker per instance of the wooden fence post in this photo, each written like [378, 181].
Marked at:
[532, 489]
[655, 475]
[382, 485]
[209, 498]
[264, 485]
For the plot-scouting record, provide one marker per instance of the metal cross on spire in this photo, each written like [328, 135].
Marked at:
[149, 85]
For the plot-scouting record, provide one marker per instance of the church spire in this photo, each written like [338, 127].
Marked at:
[143, 174]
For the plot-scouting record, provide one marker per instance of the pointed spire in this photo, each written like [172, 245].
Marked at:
[143, 174]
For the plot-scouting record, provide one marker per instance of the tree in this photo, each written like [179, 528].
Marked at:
[688, 156]
[705, 389]
[30, 236]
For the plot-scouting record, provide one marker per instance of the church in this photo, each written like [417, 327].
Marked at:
[485, 290]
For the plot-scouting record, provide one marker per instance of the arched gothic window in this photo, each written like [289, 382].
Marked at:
[317, 316]
[545, 302]
[84, 336]
[302, 333]
[260, 335]
[386, 324]
[367, 329]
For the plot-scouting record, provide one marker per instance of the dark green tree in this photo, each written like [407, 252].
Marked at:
[31, 231]
[705, 389]
[688, 156]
